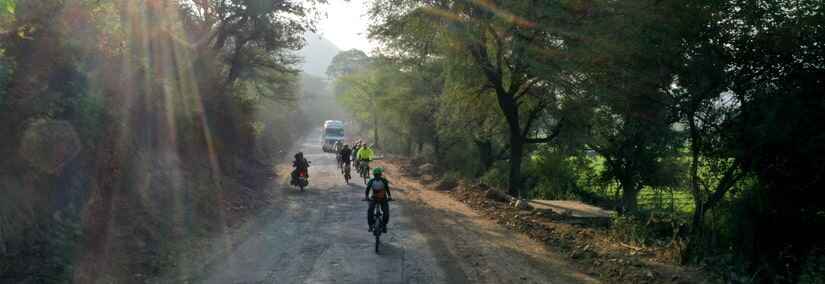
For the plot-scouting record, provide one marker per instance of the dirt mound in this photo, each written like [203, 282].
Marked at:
[496, 195]
[521, 204]
[446, 184]
[582, 239]
[427, 179]
[426, 169]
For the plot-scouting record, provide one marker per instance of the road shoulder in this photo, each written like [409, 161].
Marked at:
[486, 252]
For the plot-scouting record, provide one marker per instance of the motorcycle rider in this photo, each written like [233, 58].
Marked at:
[300, 164]
[380, 188]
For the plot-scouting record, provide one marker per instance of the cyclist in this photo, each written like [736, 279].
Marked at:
[355, 149]
[380, 188]
[338, 146]
[364, 158]
[345, 157]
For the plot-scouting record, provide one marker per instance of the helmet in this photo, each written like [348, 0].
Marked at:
[377, 171]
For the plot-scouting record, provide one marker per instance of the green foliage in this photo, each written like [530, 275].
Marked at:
[496, 176]
[5, 75]
[628, 228]
[813, 269]
[347, 62]
[555, 175]
[7, 6]
[172, 106]
[701, 108]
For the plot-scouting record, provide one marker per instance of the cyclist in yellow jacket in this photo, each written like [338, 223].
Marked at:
[364, 157]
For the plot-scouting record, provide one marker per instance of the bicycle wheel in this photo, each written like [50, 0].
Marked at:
[377, 229]
[377, 242]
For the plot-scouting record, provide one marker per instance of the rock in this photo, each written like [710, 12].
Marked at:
[446, 184]
[427, 178]
[522, 204]
[496, 195]
[426, 169]
[481, 186]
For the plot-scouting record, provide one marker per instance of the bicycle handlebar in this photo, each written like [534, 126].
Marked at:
[388, 200]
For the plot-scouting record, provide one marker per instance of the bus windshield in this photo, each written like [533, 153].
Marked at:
[334, 132]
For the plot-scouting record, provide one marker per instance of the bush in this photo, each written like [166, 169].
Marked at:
[813, 269]
[497, 176]
[630, 229]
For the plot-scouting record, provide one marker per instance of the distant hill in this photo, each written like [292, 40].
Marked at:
[317, 54]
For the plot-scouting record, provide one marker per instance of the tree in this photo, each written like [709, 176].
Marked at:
[776, 81]
[364, 90]
[517, 48]
[745, 94]
[347, 62]
[629, 60]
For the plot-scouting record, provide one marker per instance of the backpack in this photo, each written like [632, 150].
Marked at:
[379, 189]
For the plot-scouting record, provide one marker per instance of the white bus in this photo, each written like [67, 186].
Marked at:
[333, 132]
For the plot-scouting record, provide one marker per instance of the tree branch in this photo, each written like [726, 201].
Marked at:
[478, 50]
[727, 182]
[525, 88]
[549, 138]
[531, 117]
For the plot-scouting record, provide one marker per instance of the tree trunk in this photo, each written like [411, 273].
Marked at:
[437, 149]
[698, 211]
[375, 129]
[509, 107]
[408, 149]
[630, 195]
[485, 154]
[630, 200]
[516, 146]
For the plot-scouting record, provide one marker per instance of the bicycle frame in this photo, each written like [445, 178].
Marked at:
[378, 220]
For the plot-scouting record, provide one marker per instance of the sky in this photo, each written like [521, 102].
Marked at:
[346, 24]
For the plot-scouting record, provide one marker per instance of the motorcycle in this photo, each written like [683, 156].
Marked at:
[302, 181]
[301, 178]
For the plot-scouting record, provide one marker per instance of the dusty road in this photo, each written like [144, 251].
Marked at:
[320, 236]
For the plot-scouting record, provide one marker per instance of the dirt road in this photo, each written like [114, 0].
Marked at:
[320, 236]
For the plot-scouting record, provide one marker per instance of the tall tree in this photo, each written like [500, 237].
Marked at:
[347, 62]
[517, 46]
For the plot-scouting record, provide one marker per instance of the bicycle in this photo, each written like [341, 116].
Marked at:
[340, 161]
[347, 169]
[379, 225]
[364, 170]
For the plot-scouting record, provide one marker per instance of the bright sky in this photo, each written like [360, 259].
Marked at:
[346, 24]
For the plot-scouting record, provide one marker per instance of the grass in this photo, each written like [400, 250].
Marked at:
[675, 200]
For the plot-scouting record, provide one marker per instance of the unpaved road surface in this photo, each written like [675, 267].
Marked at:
[320, 236]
